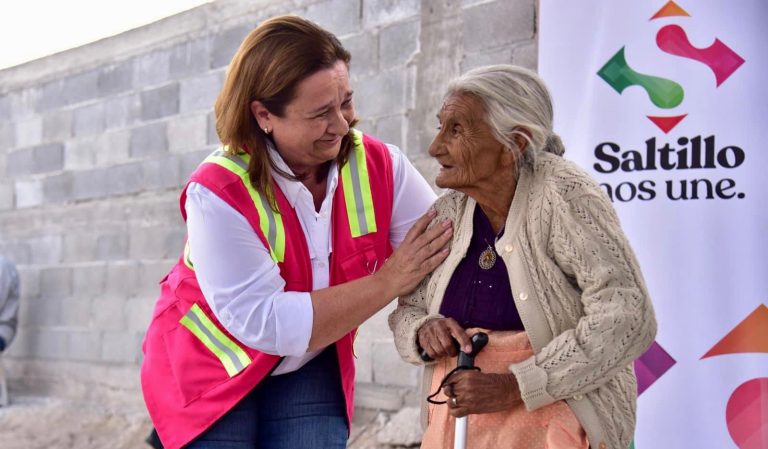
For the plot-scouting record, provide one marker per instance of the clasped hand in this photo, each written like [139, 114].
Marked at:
[477, 392]
[474, 391]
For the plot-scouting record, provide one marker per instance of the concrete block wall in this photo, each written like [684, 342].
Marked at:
[96, 142]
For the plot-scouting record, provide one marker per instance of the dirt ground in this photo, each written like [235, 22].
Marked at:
[37, 423]
[47, 423]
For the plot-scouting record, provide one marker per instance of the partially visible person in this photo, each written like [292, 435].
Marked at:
[299, 229]
[538, 261]
[9, 302]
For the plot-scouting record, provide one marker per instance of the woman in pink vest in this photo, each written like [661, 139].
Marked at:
[291, 230]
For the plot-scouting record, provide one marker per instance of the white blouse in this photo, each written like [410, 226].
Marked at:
[242, 283]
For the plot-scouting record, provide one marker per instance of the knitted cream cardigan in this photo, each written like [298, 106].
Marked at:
[578, 289]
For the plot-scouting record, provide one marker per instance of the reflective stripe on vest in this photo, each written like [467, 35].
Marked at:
[357, 189]
[228, 352]
[271, 223]
[187, 259]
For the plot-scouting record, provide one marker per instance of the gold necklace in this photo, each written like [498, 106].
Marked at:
[488, 257]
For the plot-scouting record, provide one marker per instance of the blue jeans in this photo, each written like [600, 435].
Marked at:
[304, 409]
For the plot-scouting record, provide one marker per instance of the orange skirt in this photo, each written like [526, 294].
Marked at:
[551, 427]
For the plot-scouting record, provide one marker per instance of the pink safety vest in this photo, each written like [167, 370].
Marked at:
[194, 371]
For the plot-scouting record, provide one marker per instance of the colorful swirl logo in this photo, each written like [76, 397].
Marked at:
[665, 93]
[747, 411]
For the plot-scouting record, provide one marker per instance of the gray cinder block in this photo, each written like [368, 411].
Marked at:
[122, 111]
[225, 44]
[40, 159]
[88, 120]
[57, 126]
[497, 23]
[199, 93]
[149, 140]
[189, 58]
[398, 43]
[29, 132]
[160, 102]
[116, 78]
[381, 12]
[337, 16]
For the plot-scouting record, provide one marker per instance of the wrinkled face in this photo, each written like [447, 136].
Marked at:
[468, 153]
[310, 132]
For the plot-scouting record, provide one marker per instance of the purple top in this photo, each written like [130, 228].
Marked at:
[476, 297]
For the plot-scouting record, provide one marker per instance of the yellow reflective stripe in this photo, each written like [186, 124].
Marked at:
[365, 183]
[203, 337]
[271, 223]
[280, 241]
[230, 163]
[227, 351]
[354, 340]
[357, 190]
[349, 201]
[187, 259]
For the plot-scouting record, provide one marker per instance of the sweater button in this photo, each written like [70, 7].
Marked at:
[602, 445]
[578, 397]
[508, 248]
[523, 296]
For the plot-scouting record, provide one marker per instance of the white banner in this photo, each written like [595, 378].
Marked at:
[666, 105]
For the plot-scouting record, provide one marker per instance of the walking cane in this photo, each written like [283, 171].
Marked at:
[466, 360]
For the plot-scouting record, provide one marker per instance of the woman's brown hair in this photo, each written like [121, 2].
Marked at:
[270, 63]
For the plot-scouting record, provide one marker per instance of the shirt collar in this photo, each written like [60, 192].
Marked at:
[293, 189]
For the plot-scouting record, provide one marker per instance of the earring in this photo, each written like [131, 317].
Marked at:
[266, 130]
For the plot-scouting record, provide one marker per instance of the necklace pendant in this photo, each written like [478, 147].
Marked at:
[487, 258]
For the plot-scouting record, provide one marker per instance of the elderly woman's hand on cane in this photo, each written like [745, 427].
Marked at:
[438, 339]
[473, 392]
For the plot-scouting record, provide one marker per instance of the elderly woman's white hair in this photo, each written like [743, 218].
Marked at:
[516, 102]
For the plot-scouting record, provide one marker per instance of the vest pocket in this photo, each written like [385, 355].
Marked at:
[364, 262]
[200, 355]
[194, 368]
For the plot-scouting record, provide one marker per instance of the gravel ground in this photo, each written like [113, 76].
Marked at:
[48, 423]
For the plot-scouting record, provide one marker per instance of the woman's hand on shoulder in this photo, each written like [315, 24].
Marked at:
[476, 392]
[419, 254]
[438, 338]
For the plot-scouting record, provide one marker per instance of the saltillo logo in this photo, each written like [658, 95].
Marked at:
[665, 93]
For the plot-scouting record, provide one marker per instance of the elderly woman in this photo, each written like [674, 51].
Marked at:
[539, 261]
